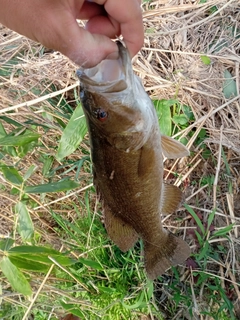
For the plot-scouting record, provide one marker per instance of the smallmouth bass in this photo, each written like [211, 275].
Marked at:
[127, 151]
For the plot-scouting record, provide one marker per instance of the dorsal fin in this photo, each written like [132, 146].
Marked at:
[171, 198]
[173, 149]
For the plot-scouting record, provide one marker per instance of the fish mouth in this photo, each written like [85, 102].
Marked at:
[109, 75]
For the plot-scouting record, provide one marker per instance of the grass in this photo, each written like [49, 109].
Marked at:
[56, 258]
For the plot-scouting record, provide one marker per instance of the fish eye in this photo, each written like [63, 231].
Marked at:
[101, 114]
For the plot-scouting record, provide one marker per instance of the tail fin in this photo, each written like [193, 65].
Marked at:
[159, 257]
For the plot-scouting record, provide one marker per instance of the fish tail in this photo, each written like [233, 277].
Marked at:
[162, 255]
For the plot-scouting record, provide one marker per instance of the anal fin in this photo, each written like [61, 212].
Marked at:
[171, 197]
[120, 232]
[173, 149]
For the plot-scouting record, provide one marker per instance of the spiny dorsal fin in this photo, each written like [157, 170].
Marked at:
[171, 198]
[121, 233]
[173, 149]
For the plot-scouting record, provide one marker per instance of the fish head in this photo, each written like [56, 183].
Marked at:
[115, 102]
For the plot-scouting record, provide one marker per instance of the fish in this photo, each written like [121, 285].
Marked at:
[127, 150]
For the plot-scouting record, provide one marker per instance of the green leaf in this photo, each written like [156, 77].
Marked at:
[11, 174]
[11, 121]
[150, 289]
[29, 172]
[195, 217]
[47, 165]
[229, 86]
[15, 277]
[6, 244]
[3, 132]
[62, 260]
[184, 141]
[31, 265]
[1, 294]
[23, 150]
[210, 219]
[37, 124]
[40, 255]
[223, 231]
[139, 304]
[199, 238]
[25, 225]
[9, 150]
[203, 252]
[205, 59]
[149, 30]
[164, 115]
[188, 112]
[107, 289]
[91, 264]
[52, 187]
[180, 119]
[73, 309]
[14, 191]
[73, 134]
[19, 140]
[32, 249]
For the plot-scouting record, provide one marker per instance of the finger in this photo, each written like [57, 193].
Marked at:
[89, 10]
[103, 25]
[135, 37]
[84, 48]
[128, 14]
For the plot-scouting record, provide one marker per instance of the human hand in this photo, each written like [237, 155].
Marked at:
[53, 24]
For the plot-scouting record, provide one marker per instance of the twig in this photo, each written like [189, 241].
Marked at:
[179, 180]
[231, 211]
[227, 57]
[34, 101]
[11, 40]
[65, 197]
[69, 273]
[217, 171]
[210, 113]
[25, 317]
[234, 282]
[201, 22]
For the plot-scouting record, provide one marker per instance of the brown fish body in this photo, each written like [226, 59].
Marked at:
[126, 149]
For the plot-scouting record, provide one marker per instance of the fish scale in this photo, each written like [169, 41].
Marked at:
[127, 151]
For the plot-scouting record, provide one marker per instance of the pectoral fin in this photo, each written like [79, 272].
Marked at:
[173, 149]
[121, 233]
[147, 160]
[171, 198]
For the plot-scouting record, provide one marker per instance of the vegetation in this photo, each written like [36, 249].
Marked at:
[55, 256]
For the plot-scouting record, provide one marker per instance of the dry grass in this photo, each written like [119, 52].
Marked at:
[170, 65]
